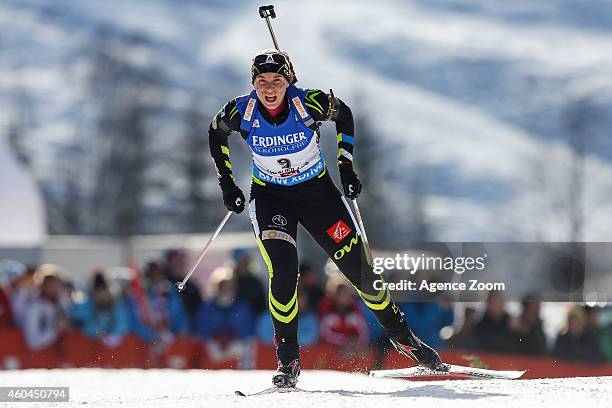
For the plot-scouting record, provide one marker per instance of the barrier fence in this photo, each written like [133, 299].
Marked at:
[76, 350]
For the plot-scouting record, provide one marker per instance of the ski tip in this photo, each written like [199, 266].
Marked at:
[377, 374]
[449, 370]
[516, 375]
[239, 394]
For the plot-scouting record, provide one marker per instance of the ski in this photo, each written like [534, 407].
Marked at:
[453, 370]
[270, 390]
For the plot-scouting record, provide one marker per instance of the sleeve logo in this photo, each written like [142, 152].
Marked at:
[339, 231]
[300, 108]
[249, 110]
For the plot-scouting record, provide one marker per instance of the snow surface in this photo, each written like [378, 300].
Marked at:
[202, 388]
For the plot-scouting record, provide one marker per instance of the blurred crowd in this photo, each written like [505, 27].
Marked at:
[231, 310]
[585, 336]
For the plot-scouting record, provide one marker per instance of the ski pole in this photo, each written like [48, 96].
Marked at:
[267, 12]
[181, 285]
[368, 251]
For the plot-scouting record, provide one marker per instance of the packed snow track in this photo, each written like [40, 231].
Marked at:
[202, 388]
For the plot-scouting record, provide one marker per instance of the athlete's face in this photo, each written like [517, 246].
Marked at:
[270, 88]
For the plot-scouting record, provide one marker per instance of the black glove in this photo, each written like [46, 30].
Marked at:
[350, 182]
[233, 199]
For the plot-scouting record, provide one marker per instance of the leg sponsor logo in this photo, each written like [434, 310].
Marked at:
[273, 234]
[279, 220]
[339, 231]
[346, 248]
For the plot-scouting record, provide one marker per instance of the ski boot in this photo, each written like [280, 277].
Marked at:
[287, 375]
[412, 347]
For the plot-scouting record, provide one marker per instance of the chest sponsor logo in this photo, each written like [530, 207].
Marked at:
[283, 140]
[248, 113]
[300, 108]
[287, 169]
[284, 163]
[339, 231]
[291, 172]
[291, 179]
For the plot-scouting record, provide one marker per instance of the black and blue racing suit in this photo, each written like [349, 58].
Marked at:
[291, 185]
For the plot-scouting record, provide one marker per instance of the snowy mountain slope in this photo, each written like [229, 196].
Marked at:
[487, 62]
[201, 388]
[46, 69]
[471, 90]
[435, 130]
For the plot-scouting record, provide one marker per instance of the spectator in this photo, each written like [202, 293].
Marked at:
[176, 269]
[10, 271]
[45, 318]
[342, 323]
[308, 326]
[162, 315]
[310, 285]
[427, 317]
[22, 289]
[591, 314]
[464, 339]
[225, 323]
[105, 316]
[574, 342]
[595, 326]
[493, 331]
[224, 318]
[529, 329]
[6, 311]
[249, 288]
[605, 332]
